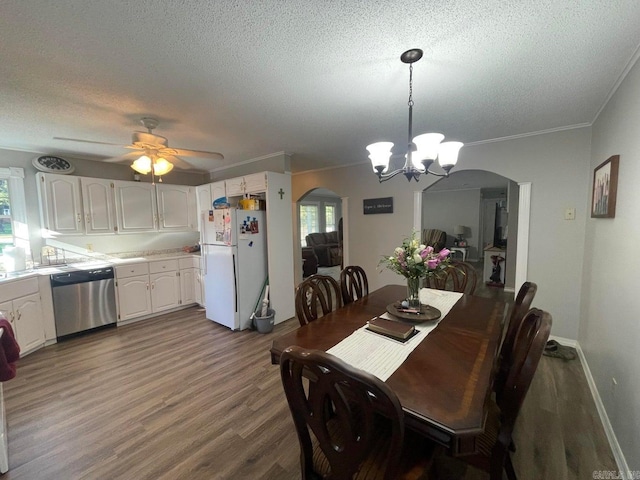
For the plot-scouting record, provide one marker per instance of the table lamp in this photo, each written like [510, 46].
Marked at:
[459, 231]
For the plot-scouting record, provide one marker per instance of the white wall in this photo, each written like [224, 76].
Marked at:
[446, 209]
[609, 332]
[557, 166]
[101, 243]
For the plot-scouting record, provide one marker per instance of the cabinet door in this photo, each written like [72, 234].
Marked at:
[28, 322]
[6, 310]
[217, 190]
[135, 207]
[99, 206]
[255, 183]
[234, 186]
[165, 291]
[134, 298]
[60, 204]
[176, 207]
[188, 286]
[199, 287]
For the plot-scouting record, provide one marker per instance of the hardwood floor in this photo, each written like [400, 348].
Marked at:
[179, 397]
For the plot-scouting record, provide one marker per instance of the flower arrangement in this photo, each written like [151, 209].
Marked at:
[414, 260]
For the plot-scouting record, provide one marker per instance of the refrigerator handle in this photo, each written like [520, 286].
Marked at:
[203, 256]
[235, 281]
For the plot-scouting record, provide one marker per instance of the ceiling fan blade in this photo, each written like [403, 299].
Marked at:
[85, 141]
[181, 164]
[198, 153]
[127, 157]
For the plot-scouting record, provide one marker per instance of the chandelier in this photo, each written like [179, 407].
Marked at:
[422, 151]
[151, 162]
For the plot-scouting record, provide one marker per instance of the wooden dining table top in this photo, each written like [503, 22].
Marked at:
[445, 382]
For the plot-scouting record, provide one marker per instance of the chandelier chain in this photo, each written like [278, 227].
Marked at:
[410, 85]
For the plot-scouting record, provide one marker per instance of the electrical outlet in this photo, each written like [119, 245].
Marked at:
[570, 214]
[89, 247]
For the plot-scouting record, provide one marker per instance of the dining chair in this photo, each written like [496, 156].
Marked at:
[350, 425]
[459, 277]
[518, 311]
[493, 445]
[316, 296]
[353, 283]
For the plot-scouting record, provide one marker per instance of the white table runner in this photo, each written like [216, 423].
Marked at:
[380, 355]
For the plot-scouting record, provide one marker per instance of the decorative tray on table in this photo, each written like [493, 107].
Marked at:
[427, 313]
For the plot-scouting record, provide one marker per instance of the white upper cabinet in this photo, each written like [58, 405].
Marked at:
[99, 206]
[176, 207]
[254, 183]
[135, 206]
[205, 195]
[60, 204]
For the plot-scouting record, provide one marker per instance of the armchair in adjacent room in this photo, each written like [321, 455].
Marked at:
[435, 238]
[326, 246]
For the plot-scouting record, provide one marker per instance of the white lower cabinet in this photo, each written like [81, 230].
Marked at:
[134, 297]
[165, 291]
[133, 289]
[153, 287]
[24, 312]
[199, 288]
[188, 286]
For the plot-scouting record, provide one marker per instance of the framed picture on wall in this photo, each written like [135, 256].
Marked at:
[605, 188]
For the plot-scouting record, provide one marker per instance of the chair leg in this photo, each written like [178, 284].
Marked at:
[508, 466]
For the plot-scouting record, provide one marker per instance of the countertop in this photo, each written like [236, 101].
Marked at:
[96, 263]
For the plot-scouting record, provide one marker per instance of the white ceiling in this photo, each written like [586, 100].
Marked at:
[318, 79]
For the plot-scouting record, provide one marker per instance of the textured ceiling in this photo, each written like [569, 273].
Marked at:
[318, 79]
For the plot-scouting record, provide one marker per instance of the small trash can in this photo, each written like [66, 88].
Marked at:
[265, 324]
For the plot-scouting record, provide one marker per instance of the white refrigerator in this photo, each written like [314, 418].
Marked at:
[234, 249]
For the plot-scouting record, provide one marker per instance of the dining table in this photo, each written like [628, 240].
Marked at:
[445, 382]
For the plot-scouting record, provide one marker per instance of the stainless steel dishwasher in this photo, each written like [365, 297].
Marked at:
[83, 300]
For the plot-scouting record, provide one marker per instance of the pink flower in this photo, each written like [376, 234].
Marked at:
[429, 249]
[444, 252]
[432, 263]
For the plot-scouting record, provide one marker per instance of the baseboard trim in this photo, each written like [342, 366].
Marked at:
[565, 341]
[621, 461]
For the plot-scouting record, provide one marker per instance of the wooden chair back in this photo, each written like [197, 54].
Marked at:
[459, 277]
[353, 283]
[494, 443]
[530, 340]
[315, 297]
[337, 420]
[520, 307]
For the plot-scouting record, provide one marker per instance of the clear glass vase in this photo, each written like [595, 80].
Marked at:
[413, 289]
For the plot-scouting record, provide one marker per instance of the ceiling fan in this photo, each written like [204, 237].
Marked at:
[152, 152]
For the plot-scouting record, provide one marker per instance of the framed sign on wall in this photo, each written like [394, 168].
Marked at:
[377, 205]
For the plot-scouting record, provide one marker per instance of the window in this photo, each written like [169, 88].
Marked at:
[329, 217]
[6, 228]
[308, 221]
[13, 211]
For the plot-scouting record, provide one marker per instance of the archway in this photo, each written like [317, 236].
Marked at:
[320, 232]
[482, 210]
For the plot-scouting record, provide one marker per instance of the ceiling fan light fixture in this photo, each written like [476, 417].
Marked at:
[142, 165]
[161, 166]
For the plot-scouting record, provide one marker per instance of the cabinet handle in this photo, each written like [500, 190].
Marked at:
[19, 314]
[12, 317]
[79, 217]
[88, 218]
[147, 286]
[153, 285]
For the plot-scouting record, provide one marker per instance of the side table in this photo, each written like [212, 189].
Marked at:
[462, 250]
